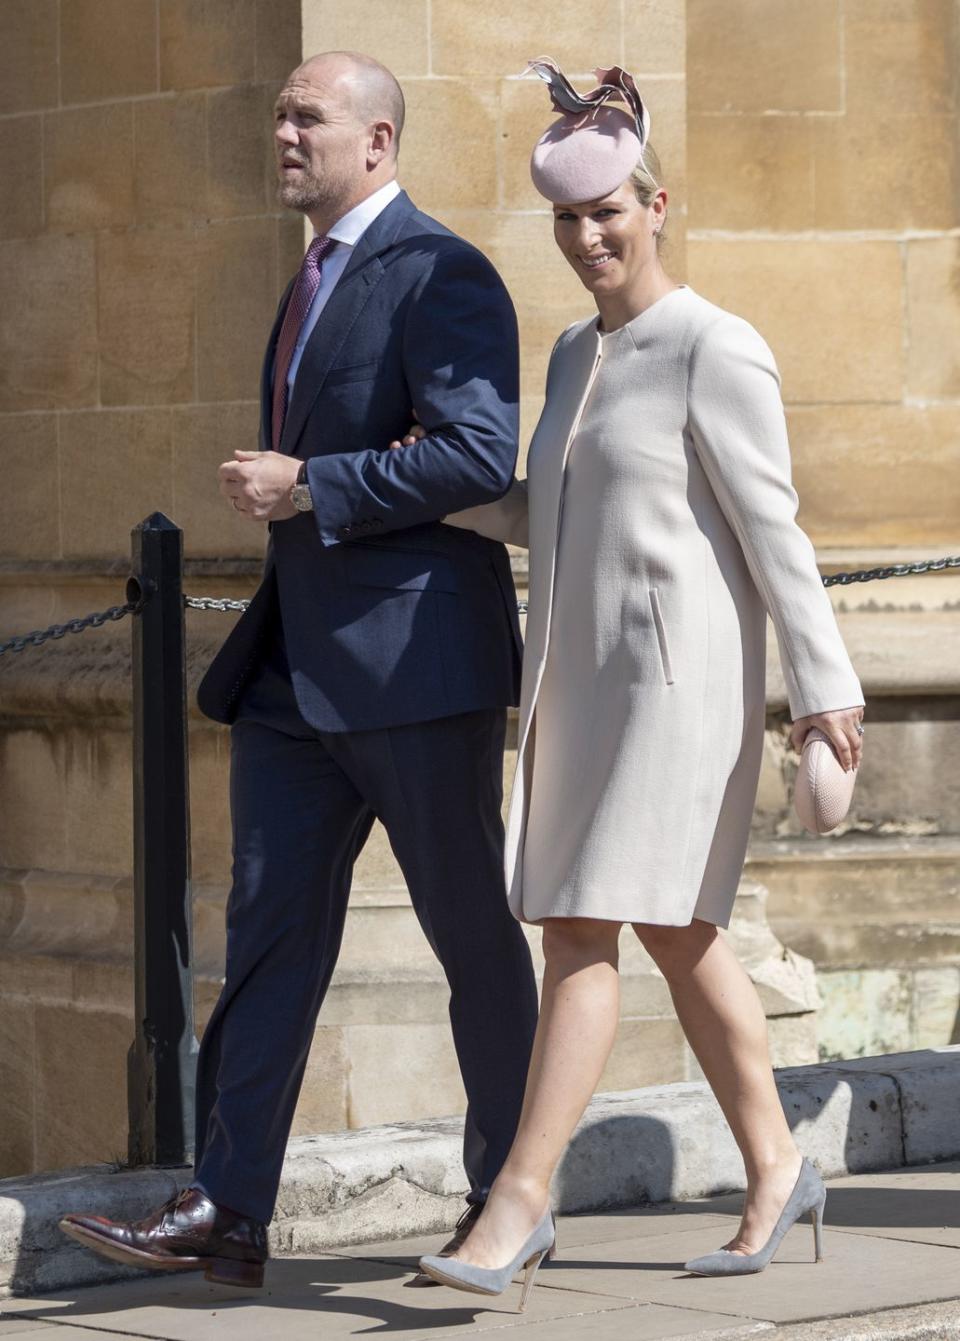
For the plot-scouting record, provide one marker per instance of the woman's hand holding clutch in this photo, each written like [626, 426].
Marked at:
[841, 726]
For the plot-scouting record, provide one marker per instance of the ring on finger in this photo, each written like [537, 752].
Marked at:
[859, 728]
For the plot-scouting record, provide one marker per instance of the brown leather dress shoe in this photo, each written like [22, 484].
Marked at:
[187, 1233]
[464, 1225]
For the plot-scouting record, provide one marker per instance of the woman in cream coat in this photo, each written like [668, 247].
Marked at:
[659, 516]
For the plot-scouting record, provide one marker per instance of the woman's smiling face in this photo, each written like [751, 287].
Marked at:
[611, 241]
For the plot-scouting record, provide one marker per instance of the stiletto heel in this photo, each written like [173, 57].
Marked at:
[552, 1251]
[494, 1280]
[816, 1218]
[533, 1267]
[231, 1271]
[808, 1196]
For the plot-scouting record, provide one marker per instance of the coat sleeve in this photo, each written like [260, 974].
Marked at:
[506, 520]
[739, 432]
[461, 362]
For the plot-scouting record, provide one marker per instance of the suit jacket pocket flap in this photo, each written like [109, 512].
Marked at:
[354, 372]
[399, 569]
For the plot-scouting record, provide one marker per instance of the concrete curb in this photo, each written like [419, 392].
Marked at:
[923, 1322]
[666, 1143]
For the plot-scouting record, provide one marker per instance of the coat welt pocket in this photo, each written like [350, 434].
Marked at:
[661, 635]
[354, 372]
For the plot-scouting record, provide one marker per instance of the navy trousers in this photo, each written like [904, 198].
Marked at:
[303, 803]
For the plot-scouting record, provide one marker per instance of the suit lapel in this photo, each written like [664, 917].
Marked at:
[363, 272]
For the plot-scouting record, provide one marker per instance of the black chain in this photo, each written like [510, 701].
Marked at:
[40, 636]
[224, 605]
[895, 570]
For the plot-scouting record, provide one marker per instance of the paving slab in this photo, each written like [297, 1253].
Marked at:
[337, 1296]
[860, 1274]
[575, 1230]
[919, 1204]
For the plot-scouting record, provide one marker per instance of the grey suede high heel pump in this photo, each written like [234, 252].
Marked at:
[808, 1197]
[494, 1280]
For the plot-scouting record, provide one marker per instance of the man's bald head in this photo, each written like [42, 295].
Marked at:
[337, 122]
[373, 91]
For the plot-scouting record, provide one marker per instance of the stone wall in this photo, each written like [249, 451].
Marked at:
[824, 168]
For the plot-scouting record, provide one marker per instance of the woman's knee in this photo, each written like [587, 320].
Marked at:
[571, 941]
[676, 950]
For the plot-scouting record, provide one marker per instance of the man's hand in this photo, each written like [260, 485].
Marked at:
[415, 434]
[258, 484]
[841, 728]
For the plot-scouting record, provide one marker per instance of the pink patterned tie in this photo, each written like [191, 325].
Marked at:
[304, 292]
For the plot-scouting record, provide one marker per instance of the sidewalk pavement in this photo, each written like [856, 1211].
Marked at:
[891, 1273]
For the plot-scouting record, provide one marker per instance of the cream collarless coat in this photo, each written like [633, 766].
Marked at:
[660, 518]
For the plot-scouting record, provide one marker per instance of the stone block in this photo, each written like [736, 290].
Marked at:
[116, 468]
[204, 436]
[929, 1088]
[29, 503]
[291, 244]
[879, 169]
[21, 158]
[236, 304]
[207, 43]
[863, 1012]
[170, 171]
[96, 1129]
[48, 330]
[17, 1094]
[399, 37]
[147, 316]
[241, 173]
[209, 801]
[32, 799]
[29, 74]
[87, 187]
[764, 56]
[646, 1051]
[279, 43]
[933, 317]
[897, 54]
[936, 1007]
[402, 1073]
[750, 172]
[855, 469]
[797, 295]
[440, 113]
[324, 1098]
[108, 49]
[842, 1125]
[498, 38]
[793, 1039]
[655, 37]
[99, 801]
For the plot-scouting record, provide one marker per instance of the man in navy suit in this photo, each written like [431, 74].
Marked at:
[371, 674]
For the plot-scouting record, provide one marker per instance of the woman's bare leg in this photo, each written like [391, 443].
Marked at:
[722, 1017]
[579, 1012]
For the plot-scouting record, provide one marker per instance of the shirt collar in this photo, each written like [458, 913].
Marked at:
[351, 228]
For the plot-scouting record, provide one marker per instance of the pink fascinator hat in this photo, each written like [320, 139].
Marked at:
[593, 147]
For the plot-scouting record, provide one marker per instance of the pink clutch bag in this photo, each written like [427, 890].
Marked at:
[823, 790]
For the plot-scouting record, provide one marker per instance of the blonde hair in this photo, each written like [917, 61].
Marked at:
[646, 180]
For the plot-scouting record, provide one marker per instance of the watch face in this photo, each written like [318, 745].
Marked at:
[300, 497]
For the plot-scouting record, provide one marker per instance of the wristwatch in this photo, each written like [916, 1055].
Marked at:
[300, 495]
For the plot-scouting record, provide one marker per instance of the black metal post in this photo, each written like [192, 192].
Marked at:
[161, 1065]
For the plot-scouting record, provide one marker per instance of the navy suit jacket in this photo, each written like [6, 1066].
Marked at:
[389, 616]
